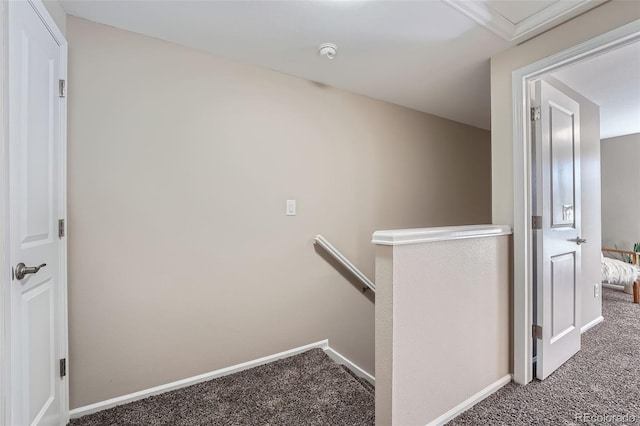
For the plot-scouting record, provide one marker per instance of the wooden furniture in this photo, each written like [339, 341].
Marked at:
[635, 257]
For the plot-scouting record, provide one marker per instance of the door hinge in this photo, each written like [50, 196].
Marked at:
[63, 367]
[536, 222]
[535, 113]
[62, 88]
[536, 332]
[60, 228]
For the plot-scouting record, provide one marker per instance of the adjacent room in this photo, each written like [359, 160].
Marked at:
[611, 82]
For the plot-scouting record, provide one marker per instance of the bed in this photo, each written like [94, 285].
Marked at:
[619, 273]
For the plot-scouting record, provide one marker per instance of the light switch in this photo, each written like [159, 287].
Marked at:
[291, 207]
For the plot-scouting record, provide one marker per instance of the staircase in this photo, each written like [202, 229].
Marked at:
[305, 389]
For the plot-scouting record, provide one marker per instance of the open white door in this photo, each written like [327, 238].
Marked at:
[37, 304]
[557, 238]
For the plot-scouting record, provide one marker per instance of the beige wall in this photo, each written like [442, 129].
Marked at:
[444, 320]
[620, 191]
[181, 258]
[384, 334]
[591, 275]
[604, 18]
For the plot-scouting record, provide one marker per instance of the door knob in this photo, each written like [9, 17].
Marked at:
[22, 270]
[580, 241]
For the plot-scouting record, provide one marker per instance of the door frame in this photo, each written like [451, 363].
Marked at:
[522, 185]
[5, 266]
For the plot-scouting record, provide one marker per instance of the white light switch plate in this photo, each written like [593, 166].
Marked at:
[291, 207]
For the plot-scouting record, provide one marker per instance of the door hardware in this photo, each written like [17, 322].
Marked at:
[580, 241]
[536, 331]
[22, 270]
[536, 222]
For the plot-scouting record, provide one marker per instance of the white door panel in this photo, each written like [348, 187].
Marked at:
[563, 310]
[557, 251]
[36, 199]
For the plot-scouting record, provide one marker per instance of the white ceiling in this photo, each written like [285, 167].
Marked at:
[432, 56]
[612, 81]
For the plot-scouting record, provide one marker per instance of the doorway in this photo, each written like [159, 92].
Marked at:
[523, 209]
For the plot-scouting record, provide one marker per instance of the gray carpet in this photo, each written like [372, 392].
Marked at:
[603, 379]
[306, 389]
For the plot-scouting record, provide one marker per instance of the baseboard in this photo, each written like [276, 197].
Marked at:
[591, 324]
[470, 402]
[340, 359]
[109, 403]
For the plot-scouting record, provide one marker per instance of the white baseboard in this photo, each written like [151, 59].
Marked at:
[340, 359]
[591, 324]
[109, 403]
[470, 402]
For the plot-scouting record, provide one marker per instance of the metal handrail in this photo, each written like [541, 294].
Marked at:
[322, 242]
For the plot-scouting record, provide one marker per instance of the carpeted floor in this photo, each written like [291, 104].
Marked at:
[306, 389]
[603, 379]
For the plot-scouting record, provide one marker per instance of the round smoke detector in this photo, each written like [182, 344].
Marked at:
[329, 50]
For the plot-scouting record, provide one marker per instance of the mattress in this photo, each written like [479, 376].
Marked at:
[618, 272]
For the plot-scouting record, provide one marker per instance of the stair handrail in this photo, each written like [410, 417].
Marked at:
[322, 242]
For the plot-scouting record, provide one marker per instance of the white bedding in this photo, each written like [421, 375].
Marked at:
[618, 272]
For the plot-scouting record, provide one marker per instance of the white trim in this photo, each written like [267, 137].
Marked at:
[591, 324]
[486, 16]
[444, 233]
[553, 15]
[523, 281]
[135, 396]
[341, 359]
[471, 401]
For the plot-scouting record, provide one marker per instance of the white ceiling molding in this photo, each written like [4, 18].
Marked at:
[485, 15]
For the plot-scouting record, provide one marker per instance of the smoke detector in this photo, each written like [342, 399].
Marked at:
[328, 49]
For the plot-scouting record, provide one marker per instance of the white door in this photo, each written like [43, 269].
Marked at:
[557, 243]
[37, 337]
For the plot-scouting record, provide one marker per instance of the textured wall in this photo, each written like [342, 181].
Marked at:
[181, 258]
[449, 324]
[620, 191]
[384, 334]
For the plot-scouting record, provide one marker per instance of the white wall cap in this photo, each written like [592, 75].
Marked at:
[444, 233]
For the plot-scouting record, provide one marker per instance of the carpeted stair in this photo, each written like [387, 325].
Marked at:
[305, 389]
[363, 382]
